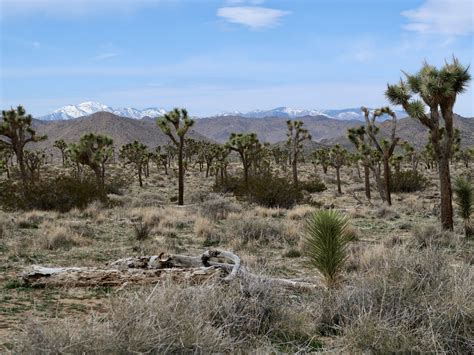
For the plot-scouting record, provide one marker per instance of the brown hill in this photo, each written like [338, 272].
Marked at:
[122, 130]
[411, 130]
[269, 129]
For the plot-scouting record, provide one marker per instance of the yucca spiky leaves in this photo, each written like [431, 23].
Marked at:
[464, 190]
[327, 238]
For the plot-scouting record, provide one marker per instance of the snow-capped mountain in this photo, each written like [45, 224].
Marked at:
[341, 114]
[88, 108]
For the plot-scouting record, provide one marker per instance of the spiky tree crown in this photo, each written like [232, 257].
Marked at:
[15, 124]
[179, 120]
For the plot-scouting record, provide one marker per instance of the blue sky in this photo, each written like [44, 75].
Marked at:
[222, 55]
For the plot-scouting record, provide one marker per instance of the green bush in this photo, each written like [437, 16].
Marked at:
[313, 186]
[266, 190]
[62, 194]
[408, 181]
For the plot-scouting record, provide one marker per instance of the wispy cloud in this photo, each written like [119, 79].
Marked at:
[446, 17]
[105, 56]
[254, 17]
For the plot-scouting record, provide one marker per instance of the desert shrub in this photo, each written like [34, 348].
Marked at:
[141, 230]
[60, 194]
[408, 181]
[312, 186]
[180, 319]
[408, 302]
[253, 229]
[218, 207]
[264, 190]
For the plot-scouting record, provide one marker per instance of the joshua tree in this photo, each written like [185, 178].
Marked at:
[384, 147]
[33, 161]
[94, 151]
[466, 155]
[210, 152]
[296, 136]
[464, 191]
[327, 238]
[17, 132]
[437, 89]
[221, 163]
[412, 156]
[245, 145]
[357, 137]
[337, 158]
[321, 157]
[62, 146]
[175, 124]
[135, 153]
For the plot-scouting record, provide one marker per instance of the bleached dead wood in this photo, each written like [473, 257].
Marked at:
[152, 269]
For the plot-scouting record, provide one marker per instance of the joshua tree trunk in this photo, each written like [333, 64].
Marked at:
[295, 170]
[140, 176]
[446, 194]
[386, 175]
[180, 172]
[338, 177]
[367, 181]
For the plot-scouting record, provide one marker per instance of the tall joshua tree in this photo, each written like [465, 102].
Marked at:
[137, 154]
[384, 147]
[245, 145]
[62, 146]
[94, 151]
[357, 137]
[296, 136]
[437, 89]
[17, 132]
[175, 124]
[338, 157]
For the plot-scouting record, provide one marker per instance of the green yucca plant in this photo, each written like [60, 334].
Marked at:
[464, 191]
[327, 238]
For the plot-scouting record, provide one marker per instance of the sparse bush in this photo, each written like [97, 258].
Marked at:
[252, 229]
[265, 190]
[142, 230]
[408, 181]
[432, 237]
[218, 207]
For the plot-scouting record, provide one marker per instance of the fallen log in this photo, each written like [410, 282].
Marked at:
[153, 269]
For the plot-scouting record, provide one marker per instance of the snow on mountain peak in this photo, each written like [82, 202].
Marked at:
[89, 107]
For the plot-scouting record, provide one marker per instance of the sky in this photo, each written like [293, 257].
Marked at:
[224, 55]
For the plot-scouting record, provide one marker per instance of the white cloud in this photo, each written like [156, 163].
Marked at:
[446, 17]
[252, 16]
[105, 56]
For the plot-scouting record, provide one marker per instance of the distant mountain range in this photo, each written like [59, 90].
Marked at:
[287, 112]
[323, 129]
[88, 108]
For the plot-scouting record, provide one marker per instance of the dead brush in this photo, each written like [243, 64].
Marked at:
[141, 230]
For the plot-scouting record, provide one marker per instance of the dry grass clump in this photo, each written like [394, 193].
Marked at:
[431, 236]
[54, 237]
[180, 319]
[32, 219]
[247, 228]
[218, 207]
[300, 212]
[205, 229]
[269, 212]
[408, 302]
[386, 212]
